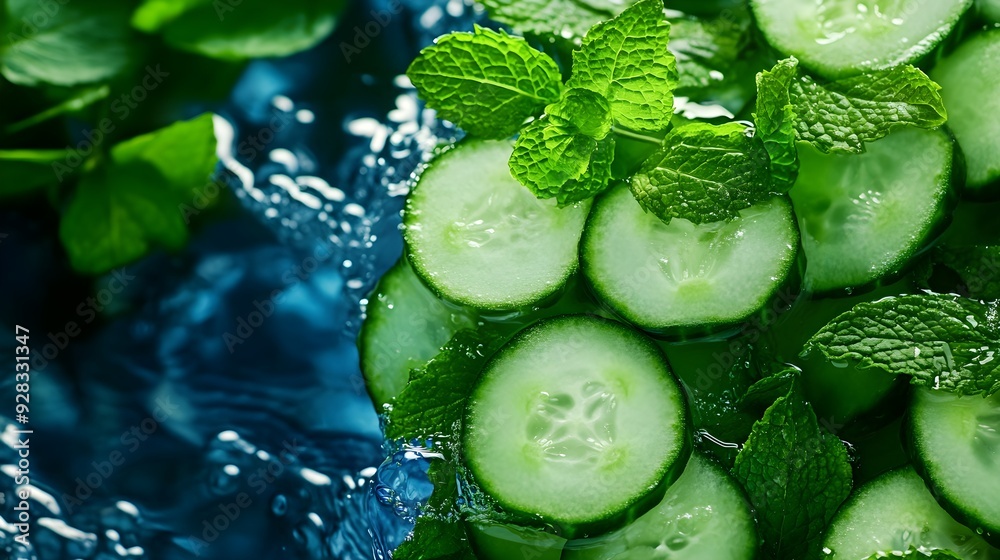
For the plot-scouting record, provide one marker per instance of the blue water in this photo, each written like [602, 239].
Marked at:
[212, 406]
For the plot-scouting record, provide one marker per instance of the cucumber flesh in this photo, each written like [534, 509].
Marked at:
[863, 217]
[576, 422]
[838, 38]
[895, 512]
[956, 443]
[405, 326]
[670, 277]
[704, 515]
[971, 94]
[479, 238]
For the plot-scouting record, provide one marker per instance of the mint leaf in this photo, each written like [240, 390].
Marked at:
[433, 400]
[796, 475]
[567, 153]
[704, 173]
[775, 119]
[626, 60]
[941, 341]
[486, 82]
[26, 170]
[564, 18]
[439, 533]
[841, 116]
[120, 211]
[240, 30]
[65, 43]
[765, 391]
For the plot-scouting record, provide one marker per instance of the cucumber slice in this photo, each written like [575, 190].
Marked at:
[838, 38]
[704, 515]
[406, 325]
[675, 278]
[479, 238]
[972, 96]
[576, 422]
[893, 513]
[863, 217]
[956, 446]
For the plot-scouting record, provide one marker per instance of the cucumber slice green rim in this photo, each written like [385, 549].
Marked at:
[955, 443]
[839, 38]
[679, 278]
[971, 94]
[864, 217]
[704, 515]
[577, 423]
[479, 238]
[405, 326]
[895, 512]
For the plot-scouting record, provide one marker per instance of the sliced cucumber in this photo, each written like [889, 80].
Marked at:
[678, 277]
[479, 238]
[406, 325]
[838, 38]
[972, 96]
[703, 516]
[895, 512]
[578, 423]
[863, 217]
[956, 445]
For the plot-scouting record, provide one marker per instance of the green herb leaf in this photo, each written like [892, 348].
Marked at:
[626, 60]
[438, 533]
[120, 211]
[238, 31]
[704, 173]
[486, 82]
[941, 341]
[795, 473]
[26, 170]
[775, 119]
[567, 153]
[841, 116]
[65, 43]
[433, 400]
[764, 392]
[564, 18]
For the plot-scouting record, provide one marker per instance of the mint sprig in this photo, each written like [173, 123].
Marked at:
[486, 82]
[626, 60]
[796, 475]
[704, 173]
[776, 121]
[941, 341]
[561, 18]
[841, 116]
[567, 153]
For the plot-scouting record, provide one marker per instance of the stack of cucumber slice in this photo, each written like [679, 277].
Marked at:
[644, 362]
